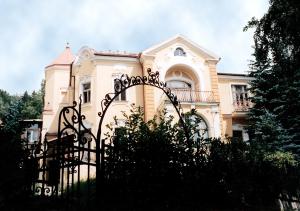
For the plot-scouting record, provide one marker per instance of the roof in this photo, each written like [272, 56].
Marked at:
[234, 74]
[65, 58]
[117, 54]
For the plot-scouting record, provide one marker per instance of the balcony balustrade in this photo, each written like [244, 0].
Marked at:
[241, 105]
[193, 96]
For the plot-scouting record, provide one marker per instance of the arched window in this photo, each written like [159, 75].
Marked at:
[178, 84]
[201, 129]
[179, 52]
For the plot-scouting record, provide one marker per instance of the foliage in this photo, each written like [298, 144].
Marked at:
[281, 160]
[31, 105]
[13, 180]
[151, 165]
[275, 117]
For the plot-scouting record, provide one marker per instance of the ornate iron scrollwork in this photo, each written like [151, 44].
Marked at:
[125, 82]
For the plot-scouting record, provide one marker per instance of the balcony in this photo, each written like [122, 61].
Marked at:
[241, 105]
[193, 96]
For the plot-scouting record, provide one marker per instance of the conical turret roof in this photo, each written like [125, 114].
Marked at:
[65, 58]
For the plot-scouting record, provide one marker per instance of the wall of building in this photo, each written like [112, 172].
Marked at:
[100, 71]
[56, 96]
[229, 115]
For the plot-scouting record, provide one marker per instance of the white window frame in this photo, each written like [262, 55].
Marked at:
[119, 97]
[83, 81]
[87, 92]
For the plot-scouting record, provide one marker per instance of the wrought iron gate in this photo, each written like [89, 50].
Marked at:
[73, 164]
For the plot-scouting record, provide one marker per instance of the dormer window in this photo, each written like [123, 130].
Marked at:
[179, 52]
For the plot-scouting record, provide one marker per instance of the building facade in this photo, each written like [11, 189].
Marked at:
[220, 99]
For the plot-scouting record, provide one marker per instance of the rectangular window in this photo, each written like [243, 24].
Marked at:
[122, 95]
[32, 134]
[86, 92]
[237, 134]
[86, 137]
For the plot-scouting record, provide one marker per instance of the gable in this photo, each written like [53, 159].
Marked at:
[181, 40]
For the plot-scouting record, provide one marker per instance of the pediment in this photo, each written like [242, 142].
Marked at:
[181, 40]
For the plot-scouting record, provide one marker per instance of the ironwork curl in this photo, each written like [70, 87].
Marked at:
[43, 191]
[77, 118]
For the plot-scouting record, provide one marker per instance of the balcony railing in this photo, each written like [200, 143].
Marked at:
[241, 102]
[241, 105]
[193, 96]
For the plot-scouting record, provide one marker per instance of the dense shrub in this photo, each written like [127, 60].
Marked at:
[152, 164]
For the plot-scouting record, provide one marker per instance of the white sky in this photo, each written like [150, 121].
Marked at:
[34, 32]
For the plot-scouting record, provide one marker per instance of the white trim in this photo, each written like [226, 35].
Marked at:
[216, 121]
[235, 77]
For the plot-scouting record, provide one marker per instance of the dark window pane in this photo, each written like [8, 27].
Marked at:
[237, 134]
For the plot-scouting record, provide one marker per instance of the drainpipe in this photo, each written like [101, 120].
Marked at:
[70, 81]
[142, 68]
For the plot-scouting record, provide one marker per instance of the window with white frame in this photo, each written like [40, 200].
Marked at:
[179, 52]
[86, 92]
[118, 87]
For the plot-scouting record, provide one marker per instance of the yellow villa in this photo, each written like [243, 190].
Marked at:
[220, 99]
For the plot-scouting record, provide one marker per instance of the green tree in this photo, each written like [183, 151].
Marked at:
[13, 181]
[31, 104]
[275, 117]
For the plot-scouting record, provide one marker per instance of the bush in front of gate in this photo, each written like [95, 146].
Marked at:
[151, 165]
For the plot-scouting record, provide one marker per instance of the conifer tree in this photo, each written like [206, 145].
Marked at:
[275, 117]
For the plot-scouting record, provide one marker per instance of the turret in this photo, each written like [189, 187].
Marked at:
[57, 77]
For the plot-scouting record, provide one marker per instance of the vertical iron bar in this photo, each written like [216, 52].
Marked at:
[68, 163]
[62, 158]
[88, 172]
[56, 157]
[43, 169]
[73, 169]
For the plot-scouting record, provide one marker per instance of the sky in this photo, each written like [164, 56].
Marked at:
[35, 32]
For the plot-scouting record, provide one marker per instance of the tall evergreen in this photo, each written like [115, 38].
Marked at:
[275, 117]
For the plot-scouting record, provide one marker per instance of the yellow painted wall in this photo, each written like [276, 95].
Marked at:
[100, 71]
